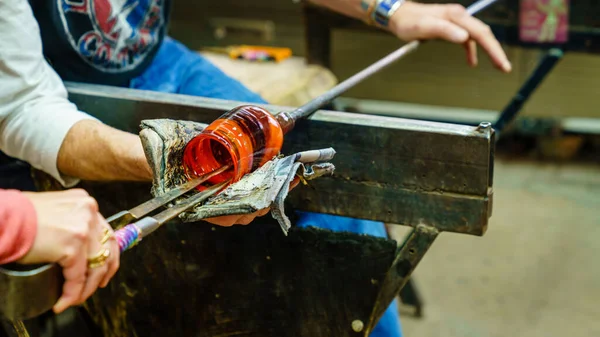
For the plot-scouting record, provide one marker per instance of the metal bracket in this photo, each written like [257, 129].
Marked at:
[409, 255]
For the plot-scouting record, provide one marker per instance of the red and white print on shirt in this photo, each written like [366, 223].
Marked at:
[112, 35]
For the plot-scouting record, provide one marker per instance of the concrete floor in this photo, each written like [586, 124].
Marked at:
[536, 272]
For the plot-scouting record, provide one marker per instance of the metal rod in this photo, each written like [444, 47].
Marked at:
[159, 201]
[538, 75]
[197, 198]
[124, 218]
[326, 98]
[133, 233]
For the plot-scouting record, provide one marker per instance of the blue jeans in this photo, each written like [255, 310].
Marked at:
[176, 69]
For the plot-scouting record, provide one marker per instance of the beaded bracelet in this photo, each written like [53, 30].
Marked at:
[369, 7]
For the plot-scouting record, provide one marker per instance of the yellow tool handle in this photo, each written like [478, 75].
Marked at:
[254, 53]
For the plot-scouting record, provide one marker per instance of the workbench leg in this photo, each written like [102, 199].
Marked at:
[409, 295]
[409, 255]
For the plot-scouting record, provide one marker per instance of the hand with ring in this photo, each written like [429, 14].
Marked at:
[72, 233]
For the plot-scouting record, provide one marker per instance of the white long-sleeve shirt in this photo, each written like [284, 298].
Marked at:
[35, 113]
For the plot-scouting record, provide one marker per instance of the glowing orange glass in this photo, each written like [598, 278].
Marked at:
[245, 137]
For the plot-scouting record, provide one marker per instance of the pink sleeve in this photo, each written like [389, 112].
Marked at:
[18, 225]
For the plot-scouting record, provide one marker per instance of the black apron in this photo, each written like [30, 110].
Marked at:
[15, 174]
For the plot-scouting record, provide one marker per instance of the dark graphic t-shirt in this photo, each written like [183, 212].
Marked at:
[101, 41]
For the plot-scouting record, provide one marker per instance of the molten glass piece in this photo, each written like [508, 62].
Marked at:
[245, 137]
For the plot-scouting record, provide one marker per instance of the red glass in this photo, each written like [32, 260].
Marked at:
[245, 137]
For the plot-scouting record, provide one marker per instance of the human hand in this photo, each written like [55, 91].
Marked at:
[69, 231]
[451, 22]
[244, 219]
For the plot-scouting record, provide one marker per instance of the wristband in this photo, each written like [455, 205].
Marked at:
[384, 11]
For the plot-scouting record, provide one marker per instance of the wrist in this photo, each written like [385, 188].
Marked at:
[380, 12]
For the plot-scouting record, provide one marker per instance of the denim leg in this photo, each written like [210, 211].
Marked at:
[15, 174]
[179, 70]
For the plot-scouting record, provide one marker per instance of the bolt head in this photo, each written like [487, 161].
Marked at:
[358, 325]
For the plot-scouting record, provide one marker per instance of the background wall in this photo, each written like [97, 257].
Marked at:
[437, 74]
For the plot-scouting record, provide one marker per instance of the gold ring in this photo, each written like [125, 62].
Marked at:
[105, 236]
[100, 259]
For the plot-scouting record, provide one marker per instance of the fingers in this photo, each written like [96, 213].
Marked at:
[70, 230]
[74, 270]
[481, 33]
[114, 260]
[294, 183]
[223, 221]
[262, 212]
[81, 280]
[245, 219]
[450, 22]
[95, 274]
[471, 48]
[431, 27]
[230, 220]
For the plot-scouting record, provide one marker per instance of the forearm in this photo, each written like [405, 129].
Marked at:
[94, 151]
[351, 8]
[373, 12]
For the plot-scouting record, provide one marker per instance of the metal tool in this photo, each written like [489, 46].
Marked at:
[546, 64]
[133, 233]
[125, 217]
